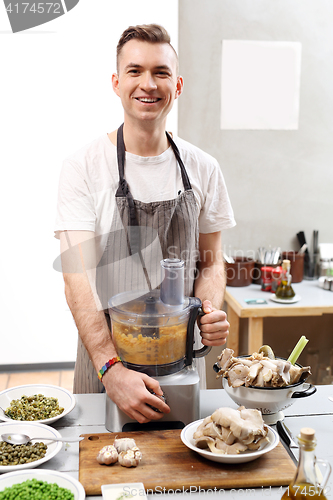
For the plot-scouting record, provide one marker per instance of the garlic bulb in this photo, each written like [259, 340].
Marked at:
[124, 444]
[130, 458]
[107, 455]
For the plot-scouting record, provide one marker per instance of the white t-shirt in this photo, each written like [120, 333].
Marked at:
[89, 180]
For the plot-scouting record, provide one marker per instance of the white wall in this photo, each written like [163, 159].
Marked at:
[55, 96]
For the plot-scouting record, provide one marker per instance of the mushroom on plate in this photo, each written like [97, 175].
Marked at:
[229, 431]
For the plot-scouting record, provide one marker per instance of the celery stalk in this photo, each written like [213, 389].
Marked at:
[298, 349]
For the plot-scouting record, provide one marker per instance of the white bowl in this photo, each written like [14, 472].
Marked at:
[123, 490]
[239, 458]
[269, 400]
[32, 429]
[65, 399]
[50, 476]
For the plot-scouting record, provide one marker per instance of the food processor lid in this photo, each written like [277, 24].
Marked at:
[145, 303]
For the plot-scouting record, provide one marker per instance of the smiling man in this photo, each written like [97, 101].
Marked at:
[142, 175]
[147, 83]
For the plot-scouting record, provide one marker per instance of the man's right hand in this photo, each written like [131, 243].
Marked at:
[129, 390]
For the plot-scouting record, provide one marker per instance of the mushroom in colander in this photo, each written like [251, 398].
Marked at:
[258, 370]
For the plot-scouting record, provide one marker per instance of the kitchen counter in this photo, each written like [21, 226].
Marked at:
[88, 417]
[314, 301]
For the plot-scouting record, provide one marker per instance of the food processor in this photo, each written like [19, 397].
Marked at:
[153, 333]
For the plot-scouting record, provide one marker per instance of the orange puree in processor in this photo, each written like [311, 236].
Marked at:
[166, 347]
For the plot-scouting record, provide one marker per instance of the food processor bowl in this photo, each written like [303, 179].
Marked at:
[154, 332]
[156, 340]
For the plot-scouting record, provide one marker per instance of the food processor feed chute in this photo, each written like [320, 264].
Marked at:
[172, 286]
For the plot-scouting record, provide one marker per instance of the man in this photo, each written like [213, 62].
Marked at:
[139, 173]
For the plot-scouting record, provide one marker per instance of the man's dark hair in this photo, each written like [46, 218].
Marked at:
[152, 33]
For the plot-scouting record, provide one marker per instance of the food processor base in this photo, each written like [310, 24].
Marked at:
[182, 393]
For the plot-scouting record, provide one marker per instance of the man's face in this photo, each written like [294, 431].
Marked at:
[147, 81]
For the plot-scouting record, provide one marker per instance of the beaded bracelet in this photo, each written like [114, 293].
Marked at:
[107, 365]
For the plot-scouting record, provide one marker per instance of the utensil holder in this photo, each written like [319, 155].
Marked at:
[240, 272]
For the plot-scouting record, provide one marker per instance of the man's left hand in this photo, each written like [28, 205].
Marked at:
[214, 327]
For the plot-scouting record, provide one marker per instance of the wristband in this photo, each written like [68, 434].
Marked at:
[107, 365]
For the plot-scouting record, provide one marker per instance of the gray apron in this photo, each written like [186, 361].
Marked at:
[141, 235]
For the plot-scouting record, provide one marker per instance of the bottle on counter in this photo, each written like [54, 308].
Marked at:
[306, 483]
[266, 278]
[285, 290]
[276, 278]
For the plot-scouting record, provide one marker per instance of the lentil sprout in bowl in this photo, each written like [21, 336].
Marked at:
[35, 402]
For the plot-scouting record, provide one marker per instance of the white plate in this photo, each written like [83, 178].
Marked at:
[32, 429]
[123, 490]
[187, 438]
[65, 399]
[296, 298]
[50, 476]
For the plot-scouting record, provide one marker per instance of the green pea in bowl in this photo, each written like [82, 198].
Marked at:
[14, 479]
[35, 402]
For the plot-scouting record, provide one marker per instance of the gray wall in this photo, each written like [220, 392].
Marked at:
[279, 182]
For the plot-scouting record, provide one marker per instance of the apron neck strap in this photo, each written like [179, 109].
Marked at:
[123, 186]
[123, 189]
[186, 180]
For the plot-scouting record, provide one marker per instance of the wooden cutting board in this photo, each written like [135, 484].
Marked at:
[168, 463]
